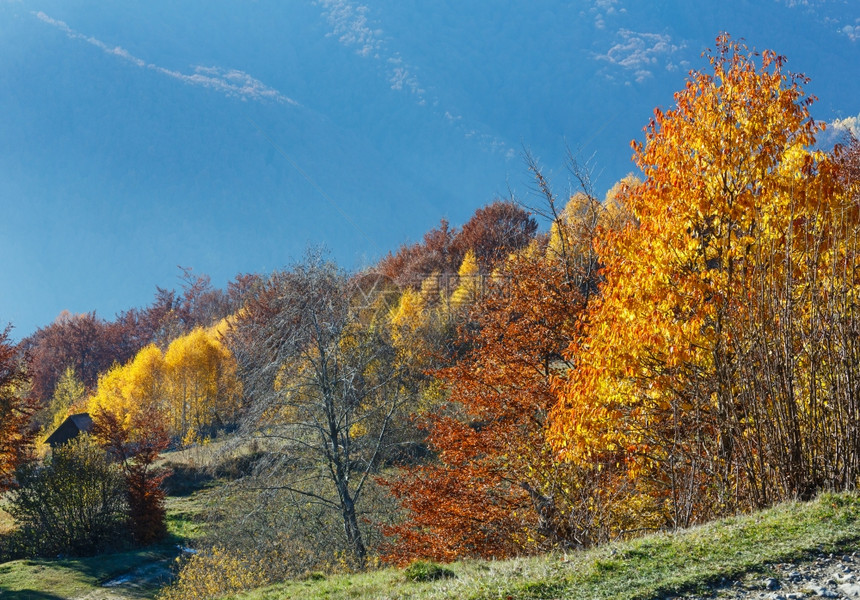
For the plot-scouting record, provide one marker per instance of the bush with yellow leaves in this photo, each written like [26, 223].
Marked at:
[215, 572]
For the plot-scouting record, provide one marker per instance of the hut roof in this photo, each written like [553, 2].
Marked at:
[70, 429]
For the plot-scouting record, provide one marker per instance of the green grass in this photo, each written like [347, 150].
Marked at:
[184, 517]
[54, 579]
[43, 579]
[421, 571]
[645, 568]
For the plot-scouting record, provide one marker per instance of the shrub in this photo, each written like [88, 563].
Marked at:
[136, 449]
[422, 570]
[216, 572]
[74, 503]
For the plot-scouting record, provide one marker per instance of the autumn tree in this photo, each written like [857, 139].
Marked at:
[71, 503]
[69, 394]
[135, 441]
[325, 396]
[16, 409]
[83, 342]
[496, 488]
[173, 313]
[495, 231]
[732, 196]
[412, 263]
[798, 375]
[575, 228]
[131, 389]
[241, 288]
[202, 389]
[193, 385]
[407, 319]
[91, 345]
[470, 282]
[130, 422]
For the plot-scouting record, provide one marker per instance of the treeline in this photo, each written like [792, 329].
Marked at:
[682, 349]
[93, 495]
[90, 345]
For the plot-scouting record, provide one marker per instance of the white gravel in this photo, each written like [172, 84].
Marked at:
[823, 576]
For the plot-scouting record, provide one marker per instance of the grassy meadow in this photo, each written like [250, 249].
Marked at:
[649, 567]
[653, 566]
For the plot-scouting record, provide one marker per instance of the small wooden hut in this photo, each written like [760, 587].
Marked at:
[71, 428]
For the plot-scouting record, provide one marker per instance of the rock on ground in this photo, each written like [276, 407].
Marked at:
[824, 576]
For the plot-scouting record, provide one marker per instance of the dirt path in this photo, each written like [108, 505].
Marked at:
[140, 584]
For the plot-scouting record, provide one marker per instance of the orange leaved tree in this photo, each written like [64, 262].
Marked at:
[496, 488]
[137, 454]
[15, 410]
[693, 371]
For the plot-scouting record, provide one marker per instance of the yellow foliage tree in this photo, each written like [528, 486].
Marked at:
[408, 319]
[571, 233]
[202, 385]
[127, 390]
[69, 394]
[616, 211]
[728, 173]
[216, 572]
[584, 220]
[193, 385]
[469, 284]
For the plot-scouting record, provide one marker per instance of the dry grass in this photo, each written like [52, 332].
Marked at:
[646, 568]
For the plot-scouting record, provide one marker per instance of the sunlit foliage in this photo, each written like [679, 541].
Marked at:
[697, 360]
[16, 409]
[193, 386]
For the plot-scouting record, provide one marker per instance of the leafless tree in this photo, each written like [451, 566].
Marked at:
[324, 390]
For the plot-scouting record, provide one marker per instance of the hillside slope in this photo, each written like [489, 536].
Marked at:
[751, 550]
